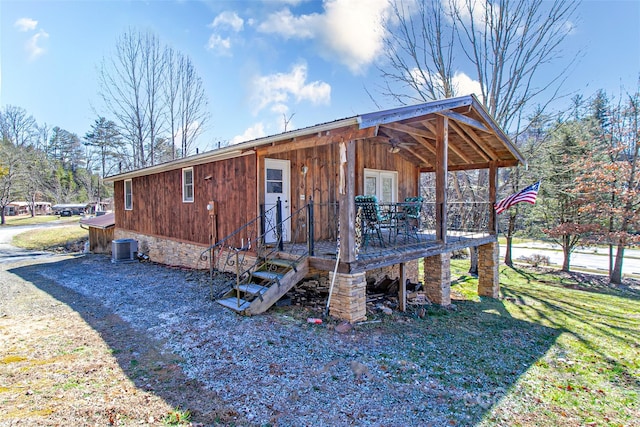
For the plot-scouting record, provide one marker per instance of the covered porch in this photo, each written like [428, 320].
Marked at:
[386, 155]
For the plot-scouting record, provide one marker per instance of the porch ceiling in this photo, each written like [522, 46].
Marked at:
[474, 139]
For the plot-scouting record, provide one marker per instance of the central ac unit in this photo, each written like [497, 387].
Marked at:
[124, 250]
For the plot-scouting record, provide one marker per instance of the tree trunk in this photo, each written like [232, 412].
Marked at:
[616, 274]
[566, 251]
[567, 257]
[473, 267]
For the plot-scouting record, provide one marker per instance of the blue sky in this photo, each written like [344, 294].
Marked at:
[259, 60]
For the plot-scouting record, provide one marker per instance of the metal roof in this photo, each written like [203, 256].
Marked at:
[474, 138]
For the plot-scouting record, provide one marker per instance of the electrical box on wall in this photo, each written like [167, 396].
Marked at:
[211, 207]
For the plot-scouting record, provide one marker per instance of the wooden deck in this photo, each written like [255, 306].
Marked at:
[402, 249]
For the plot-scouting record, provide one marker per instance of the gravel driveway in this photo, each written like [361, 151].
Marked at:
[178, 349]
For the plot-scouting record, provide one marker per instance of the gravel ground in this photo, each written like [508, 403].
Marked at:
[272, 369]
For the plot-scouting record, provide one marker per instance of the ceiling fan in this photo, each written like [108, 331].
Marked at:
[395, 145]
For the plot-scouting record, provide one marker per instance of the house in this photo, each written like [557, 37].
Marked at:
[270, 211]
[24, 208]
[100, 232]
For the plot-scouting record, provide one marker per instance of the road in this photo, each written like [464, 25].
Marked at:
[9, 253]
[589, 258]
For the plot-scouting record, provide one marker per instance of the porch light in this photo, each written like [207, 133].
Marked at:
[304, 170]
[394, 150]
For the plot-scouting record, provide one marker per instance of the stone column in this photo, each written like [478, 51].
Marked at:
[437, 278]
[488, 279]
[349, 297]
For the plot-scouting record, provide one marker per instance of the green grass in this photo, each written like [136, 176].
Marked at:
[38, 219]
[50, 238]
[589, 374]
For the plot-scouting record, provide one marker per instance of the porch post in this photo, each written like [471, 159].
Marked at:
[442, 142]
[346, 199]
[488, 274]
[402, 288]
[493, 177]
[437, 278]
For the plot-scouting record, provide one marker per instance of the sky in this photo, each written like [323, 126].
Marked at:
[308, 61]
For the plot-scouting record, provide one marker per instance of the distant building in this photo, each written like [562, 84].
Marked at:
[24, 208]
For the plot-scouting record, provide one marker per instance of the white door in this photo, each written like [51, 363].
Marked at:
[277, 184]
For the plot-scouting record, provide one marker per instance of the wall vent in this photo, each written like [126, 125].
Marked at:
[124, 250]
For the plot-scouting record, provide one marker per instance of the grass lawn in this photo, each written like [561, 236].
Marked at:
[51, 238]
[38, 219]
[587, 366]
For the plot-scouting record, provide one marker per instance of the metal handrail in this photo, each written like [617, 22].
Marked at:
[226, 258]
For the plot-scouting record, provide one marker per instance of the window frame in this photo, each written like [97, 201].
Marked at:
[379, 174]
[128, 201]
[186, 185]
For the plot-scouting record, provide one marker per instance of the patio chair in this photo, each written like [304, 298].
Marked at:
[409, 217]
[372, 219]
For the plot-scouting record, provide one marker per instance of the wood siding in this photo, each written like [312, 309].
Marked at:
[100, 240]
[321, 179]
[158, 209]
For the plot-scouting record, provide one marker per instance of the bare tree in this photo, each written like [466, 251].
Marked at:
[10, 160]
[152, 90]
[122, 88]
[505, 43]
[171, 92]
[17, 126]
[154, 64]
[193, 103]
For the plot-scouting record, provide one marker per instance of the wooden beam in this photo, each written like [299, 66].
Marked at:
[493, 182]
[402, 288]
[466, 120]
[442, 142]
[452, 147]
[350, 134]
[418, 156]
[472, 166]
[475, 145]
[490, 151]
[411, 130]
[346, 197]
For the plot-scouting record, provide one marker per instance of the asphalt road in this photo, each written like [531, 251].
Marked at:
[585, 258]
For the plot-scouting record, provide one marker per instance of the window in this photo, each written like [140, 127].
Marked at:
[382, 184]
[187, 185]
[274, 181]
[128, 195]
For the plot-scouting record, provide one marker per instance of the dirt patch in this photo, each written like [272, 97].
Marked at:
[80, 364]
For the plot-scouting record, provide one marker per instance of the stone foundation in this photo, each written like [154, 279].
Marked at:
[488, 274]
[437, 278]
[349, 297]
[166, 251]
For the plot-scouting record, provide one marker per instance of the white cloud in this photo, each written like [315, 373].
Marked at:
[26, 24]
[277, 90]
[254, 132]
[465, 85]
[228, 20]
[349, 31]
[33, 45]
[225, 22]
[289, 26]
[353, 30]
[219, 44]
[462, 83]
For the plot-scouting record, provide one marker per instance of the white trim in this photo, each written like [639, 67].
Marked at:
[128, 206]
[185, 185]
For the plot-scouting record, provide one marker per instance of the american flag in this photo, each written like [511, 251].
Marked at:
[528, 195]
